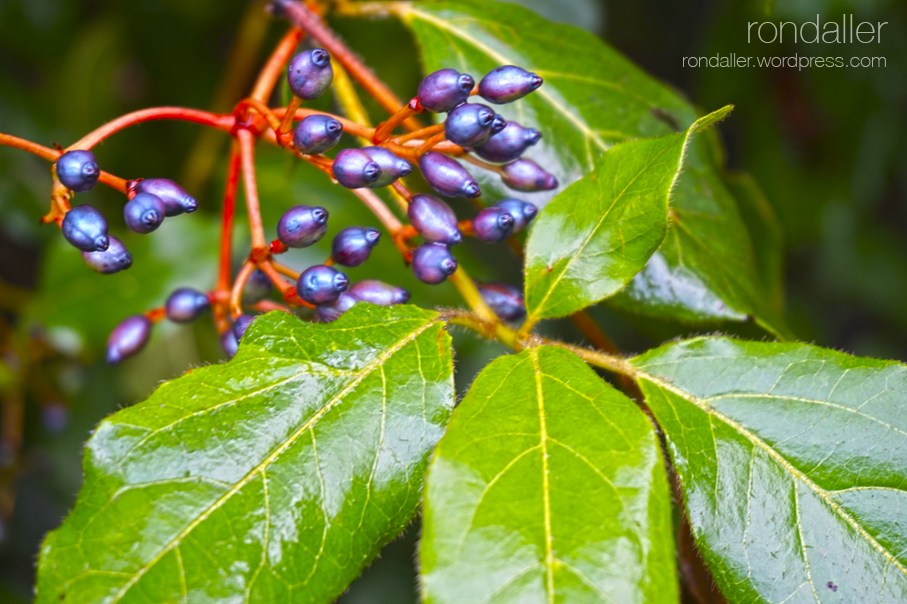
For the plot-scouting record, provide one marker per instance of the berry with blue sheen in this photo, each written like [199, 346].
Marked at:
[507, 84]
[508, 144]
[433, 263]
[444, 89]
[114, 259]
[127, 338]
[392, 167]
[378, 292]
[176, 199]
[228, 343]
[505, 300]
[257, 287]
[241, 325]
[493, 224]
[86, 229]
[526, 175]
[498, 124]
[523, 212]
[355, 169]
[448, 177]
[78, 170]
[316, 134]
[321, 284]
[301, 226]
[310, 73]
[469, 124]
[186, 304]
[352, 245]
[330, 312]
[144, 213]
[433, 219]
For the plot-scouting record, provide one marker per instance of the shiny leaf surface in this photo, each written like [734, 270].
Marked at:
[548, 486]
[275, 477]
[793, 462]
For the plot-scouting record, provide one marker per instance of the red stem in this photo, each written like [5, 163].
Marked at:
[226, 235]
[247, 153]
[206, 118]
[270, 73]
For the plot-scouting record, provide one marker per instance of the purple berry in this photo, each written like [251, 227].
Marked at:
[241, 325]
[186, 304]
[112, 260]
[526, 175]
[352, 245]
[176, 199]
[78, 170]
[86, 229]
[316, 134]
[505, 300]
[330, 312]
[144, 213]
[447, 177]
[523, 212]
[129, 337]
[509, 144]
[432, 263]
[469, 124]
[392, 167]
[444, 89]
[257, 287]
[321, 284]
[493, 224]
[301, 226]
[377, 292]
[498, 124]
[228, 343]
[434, 220]
[355, 169]
[507, 84]
[310, 73]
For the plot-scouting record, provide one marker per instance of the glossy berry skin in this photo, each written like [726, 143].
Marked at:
[508, 144]
[127, 338]
[355, 169]
[144, 213]
[352, 245]
[434, 220]
[114, 259]
[378, 292]
[301, 226]
[493, 224]
[444, 89]
[526, 175]
[469, 124]
[316, 134]
[86, 229]
[392, 167]
[228, 343]
[498, 124]
[321, 284]
[310, 73]
[78, 170]
[507, 84]
[257, 287]
[433, 263]
[448, 177]
[186, 304]
[241, 325]
[176, 199]
[328, 313]
[505, 300]
[523, 212]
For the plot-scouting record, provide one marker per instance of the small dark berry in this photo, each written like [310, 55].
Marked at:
[498, 124]
[355, 169]
[86, 229]
[434, 220]
[129, 337]
[301, 226]
[114, 259]
[432, 263]
[241, 325]
[176, 199]
[526, 175]
[469, 124]
[448, 177]
[144, 213]
[444, 89]
[523, 212]
[505, 300]
[78, 170]
[257, 287]
[493, 224]
[392, 167]
[228, 343]
[352, 245]
[507, 84]
[509, 144]
[316, 134]
[321, 284]
[330, 312]
[186, 304]
[377, 292]
[310, 73]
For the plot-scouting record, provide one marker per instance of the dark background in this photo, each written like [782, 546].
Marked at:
[828, 146]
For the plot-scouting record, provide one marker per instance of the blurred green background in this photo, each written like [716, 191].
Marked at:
[828, 146]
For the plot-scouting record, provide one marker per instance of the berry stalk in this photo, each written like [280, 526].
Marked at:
[197, 116]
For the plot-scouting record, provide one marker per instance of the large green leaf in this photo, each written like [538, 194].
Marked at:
[793, 462]
[548, 486]
[594, 237]
[275, 477]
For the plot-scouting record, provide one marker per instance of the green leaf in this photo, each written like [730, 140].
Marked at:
[793, 462]
[594, 237]
[275, 477]
[548, 486]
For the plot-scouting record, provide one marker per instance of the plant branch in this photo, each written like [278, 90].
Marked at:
[206, 118]
[270, 73]
[226, 236]
[247, 154]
